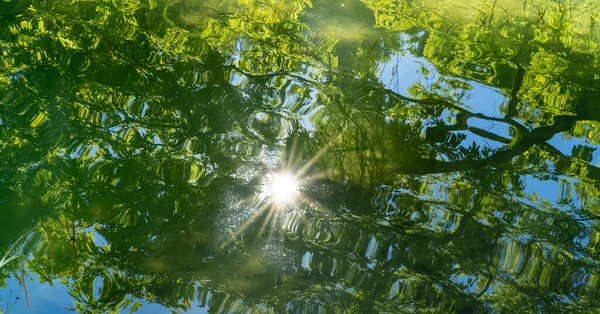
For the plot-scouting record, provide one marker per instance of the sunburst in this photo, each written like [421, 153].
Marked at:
[281, 191]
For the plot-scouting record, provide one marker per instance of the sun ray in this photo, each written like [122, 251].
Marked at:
[245, 225]
[272, 227]
[313, 178]
[290, 157]
[270, 214]
[318, 155]
[314, 204]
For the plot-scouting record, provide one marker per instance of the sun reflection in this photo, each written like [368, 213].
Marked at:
[281, 192]
[283, 188]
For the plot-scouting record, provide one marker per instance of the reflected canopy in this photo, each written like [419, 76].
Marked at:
[301, 156]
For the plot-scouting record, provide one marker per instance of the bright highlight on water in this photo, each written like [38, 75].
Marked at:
[283, 188]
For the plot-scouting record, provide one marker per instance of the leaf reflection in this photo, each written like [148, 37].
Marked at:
[437, 160]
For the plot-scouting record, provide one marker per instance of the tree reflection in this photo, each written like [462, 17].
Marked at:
[151, 125]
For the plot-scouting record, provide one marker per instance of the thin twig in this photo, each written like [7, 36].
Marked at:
[8, 308]
[50, 247]
[25, 287]
[73, 238]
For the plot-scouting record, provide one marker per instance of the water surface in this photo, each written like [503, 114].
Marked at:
[299, 156]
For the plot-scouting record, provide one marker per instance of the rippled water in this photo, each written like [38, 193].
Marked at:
[299, 156]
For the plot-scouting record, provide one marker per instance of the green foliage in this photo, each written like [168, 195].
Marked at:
[136, 138]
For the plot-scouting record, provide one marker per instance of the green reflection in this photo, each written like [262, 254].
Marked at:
[301, 156]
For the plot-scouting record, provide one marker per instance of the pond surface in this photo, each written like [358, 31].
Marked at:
[299, 156]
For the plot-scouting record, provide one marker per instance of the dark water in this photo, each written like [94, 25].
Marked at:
[299, 156]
